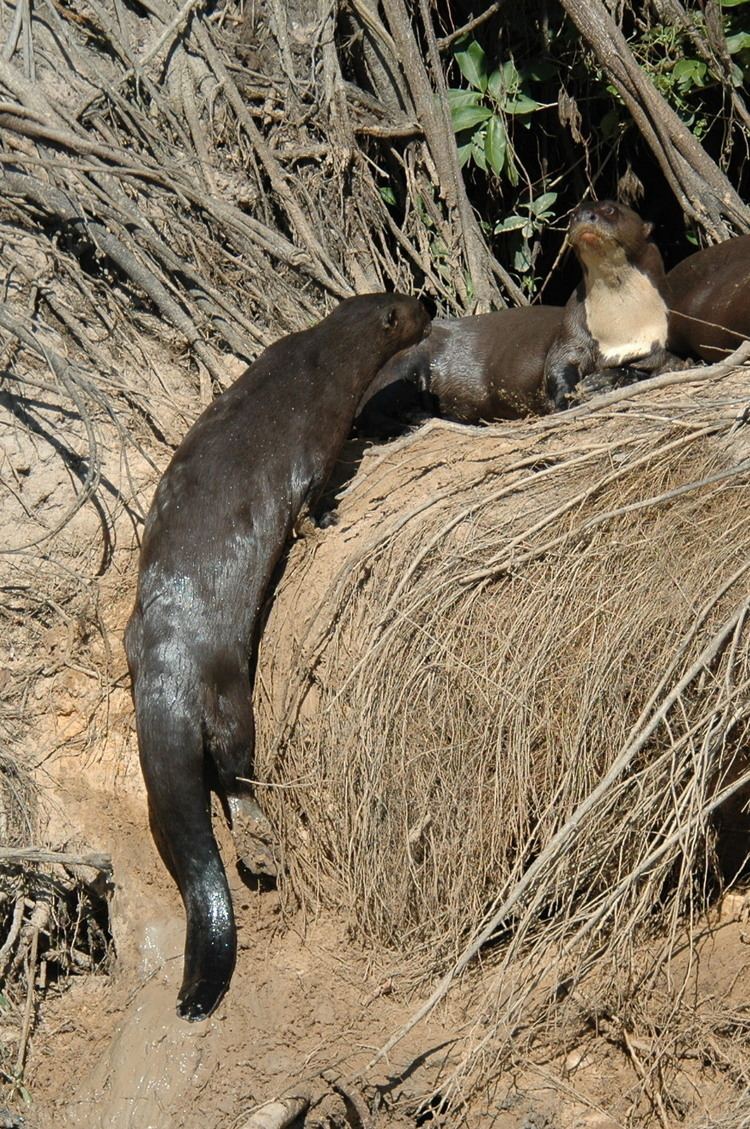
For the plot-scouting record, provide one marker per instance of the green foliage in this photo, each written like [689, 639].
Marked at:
[538, 209]
[467, 109]
[500, 101]
[522, 226]
[472, 63]
[689, 73]
[480, 114]
[738, 41]
[668, 55]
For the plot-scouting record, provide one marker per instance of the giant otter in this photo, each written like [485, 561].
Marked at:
[472, 369]
[710, 300]
[617, 317]
[222, 513]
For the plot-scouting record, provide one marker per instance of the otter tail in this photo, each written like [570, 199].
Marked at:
[173, 763]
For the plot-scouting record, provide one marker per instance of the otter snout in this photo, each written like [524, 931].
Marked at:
[597, 225]
[593, 222]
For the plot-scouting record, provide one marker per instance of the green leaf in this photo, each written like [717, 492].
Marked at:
[387, 194]
[542, 203]
[522, 104]
[495, 87]
[522, 260]
[472, 64]
[511, 77]
[464, 154]
[689, 72]
[503, 82]
[683, 67]
[459, 97]
[512, 223]
[733, 3]
[477, 149]
[738, 42]
[466, 117]
[466, 109]
[736, 75]
[496, 144]
[511, 170]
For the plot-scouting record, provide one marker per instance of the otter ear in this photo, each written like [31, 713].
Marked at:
[390, 318]
[647, 229]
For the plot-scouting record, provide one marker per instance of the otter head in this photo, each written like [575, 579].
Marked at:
[384, 323]
[607, 232]
[372, 327]
[405, 321]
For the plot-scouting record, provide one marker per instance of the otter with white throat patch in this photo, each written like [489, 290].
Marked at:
[618, 316]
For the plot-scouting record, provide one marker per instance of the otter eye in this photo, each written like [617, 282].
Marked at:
[390, 319]
[608, 210]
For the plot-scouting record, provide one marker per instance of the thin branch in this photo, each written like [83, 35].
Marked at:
[41, 855]
[470, 26]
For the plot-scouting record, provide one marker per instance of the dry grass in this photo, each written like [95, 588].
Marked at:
[513, 714]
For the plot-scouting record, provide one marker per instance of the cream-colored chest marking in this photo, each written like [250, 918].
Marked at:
[625, 319]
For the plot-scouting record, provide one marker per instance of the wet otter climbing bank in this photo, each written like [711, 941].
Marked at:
[248, 469]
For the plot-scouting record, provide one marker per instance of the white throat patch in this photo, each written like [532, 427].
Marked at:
[626, 315]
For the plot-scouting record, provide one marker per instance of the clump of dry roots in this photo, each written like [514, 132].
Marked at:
[514, 718]
[54, 921]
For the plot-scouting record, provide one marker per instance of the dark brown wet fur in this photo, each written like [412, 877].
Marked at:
[710, 300]
[221, 516]
[471, 369]
[600, 329]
